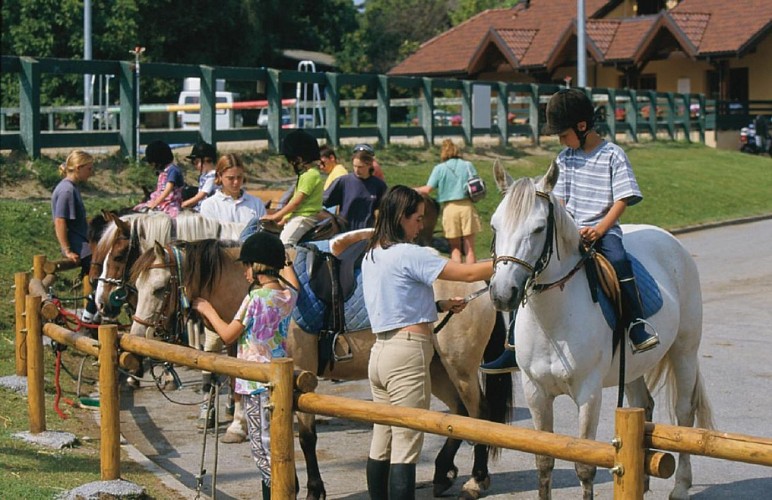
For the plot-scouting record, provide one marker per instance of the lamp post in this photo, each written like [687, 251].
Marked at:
[581, 51]
[87, 83]
[137, 51]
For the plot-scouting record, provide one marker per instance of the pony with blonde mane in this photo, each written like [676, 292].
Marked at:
[209, 270]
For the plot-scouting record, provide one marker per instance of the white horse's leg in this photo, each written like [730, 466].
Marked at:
[589, 414]
[541, 406]
[237, 430]
[638, 396]
[683, 375]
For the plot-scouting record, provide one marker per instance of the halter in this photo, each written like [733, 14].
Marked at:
[546, 253]
[122, 286]
[544, 258]
[175, 302]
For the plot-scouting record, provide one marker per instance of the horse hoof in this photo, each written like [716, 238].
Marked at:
[443, 484]
[472, 489]
[233, 437]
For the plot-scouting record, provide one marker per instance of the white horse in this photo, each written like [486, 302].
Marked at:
[563, 341]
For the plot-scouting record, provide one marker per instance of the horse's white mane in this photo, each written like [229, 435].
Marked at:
[522, 194]
[520, 198]
[157, 227]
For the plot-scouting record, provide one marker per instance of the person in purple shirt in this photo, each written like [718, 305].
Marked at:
[69, 214]
[358, 194]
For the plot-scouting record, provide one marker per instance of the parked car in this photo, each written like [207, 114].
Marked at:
[286, 118]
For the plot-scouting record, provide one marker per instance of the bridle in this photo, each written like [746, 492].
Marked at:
[544, 259]
[169, 320]
[122, 285]
[546, 253]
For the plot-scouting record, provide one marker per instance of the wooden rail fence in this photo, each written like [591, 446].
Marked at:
[629, 458]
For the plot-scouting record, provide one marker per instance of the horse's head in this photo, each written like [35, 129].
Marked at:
[523, 232]
[112, 259]
[153, 276]
[431, 214]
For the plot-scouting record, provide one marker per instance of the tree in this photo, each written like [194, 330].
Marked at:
[469, 8]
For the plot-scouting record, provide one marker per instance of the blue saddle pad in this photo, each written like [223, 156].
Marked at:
[647, 287]
[310, 311]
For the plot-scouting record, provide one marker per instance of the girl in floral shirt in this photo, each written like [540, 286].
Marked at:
[260, 328]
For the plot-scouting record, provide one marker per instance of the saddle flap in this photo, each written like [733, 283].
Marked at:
[607, 279]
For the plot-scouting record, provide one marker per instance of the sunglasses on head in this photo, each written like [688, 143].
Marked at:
[364, 147]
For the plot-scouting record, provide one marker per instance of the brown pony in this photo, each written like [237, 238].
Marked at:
[459, 348]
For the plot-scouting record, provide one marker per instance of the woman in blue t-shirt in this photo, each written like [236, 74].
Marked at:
[69, 214]
[394, 269]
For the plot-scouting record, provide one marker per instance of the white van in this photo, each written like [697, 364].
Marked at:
[224, 118]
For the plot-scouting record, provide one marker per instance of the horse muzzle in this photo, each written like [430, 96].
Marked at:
[505, 297]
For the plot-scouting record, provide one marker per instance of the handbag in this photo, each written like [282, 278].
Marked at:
[475, 187]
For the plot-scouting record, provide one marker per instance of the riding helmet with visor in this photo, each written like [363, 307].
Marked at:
[300, 144]
[158, 153]
[202, 150]
[263, 248]
[566, 108]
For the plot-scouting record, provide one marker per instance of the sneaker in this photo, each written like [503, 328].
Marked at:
[506, 363]
[205, 417]
[640, 339]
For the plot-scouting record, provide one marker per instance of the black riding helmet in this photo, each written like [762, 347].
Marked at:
[263, 248]
[300, 144]
[202, 150]
[566, 108]
[158, 153]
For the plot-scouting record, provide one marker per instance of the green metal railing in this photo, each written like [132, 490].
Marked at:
[517, 109]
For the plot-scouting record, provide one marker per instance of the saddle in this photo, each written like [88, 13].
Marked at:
[327, 225]
[605, 290]
[329, 280]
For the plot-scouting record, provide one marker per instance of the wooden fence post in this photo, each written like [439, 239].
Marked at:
[109, 407]
[35, 369]
[282, 443]
[629, 453]
[38, 267]
[21, 281]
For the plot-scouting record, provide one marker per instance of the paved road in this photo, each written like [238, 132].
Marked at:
[736, 272]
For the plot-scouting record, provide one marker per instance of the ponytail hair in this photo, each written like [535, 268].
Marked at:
[74, 160]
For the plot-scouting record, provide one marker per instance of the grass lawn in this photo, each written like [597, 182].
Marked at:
[683, 185]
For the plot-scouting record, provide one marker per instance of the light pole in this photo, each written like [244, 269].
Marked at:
[87, 83]
[581, 51]
[137, 51]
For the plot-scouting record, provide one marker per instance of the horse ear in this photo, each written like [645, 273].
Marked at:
[551, 177]
[121, 224]
[501, 176]
[159, 250]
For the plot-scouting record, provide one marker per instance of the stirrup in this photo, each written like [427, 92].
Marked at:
[648, 344]
[347, 354]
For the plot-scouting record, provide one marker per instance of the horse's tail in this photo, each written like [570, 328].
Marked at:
[497, 389]
[663, 376]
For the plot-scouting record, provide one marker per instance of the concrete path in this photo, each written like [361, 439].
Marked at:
[736, 272]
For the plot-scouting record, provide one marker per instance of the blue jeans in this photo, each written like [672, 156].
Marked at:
[611, 247]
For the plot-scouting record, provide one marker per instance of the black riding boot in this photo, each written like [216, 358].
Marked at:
[266, 490]
[640, 339]
[402, 482]
[507, 361]
[378, 479]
